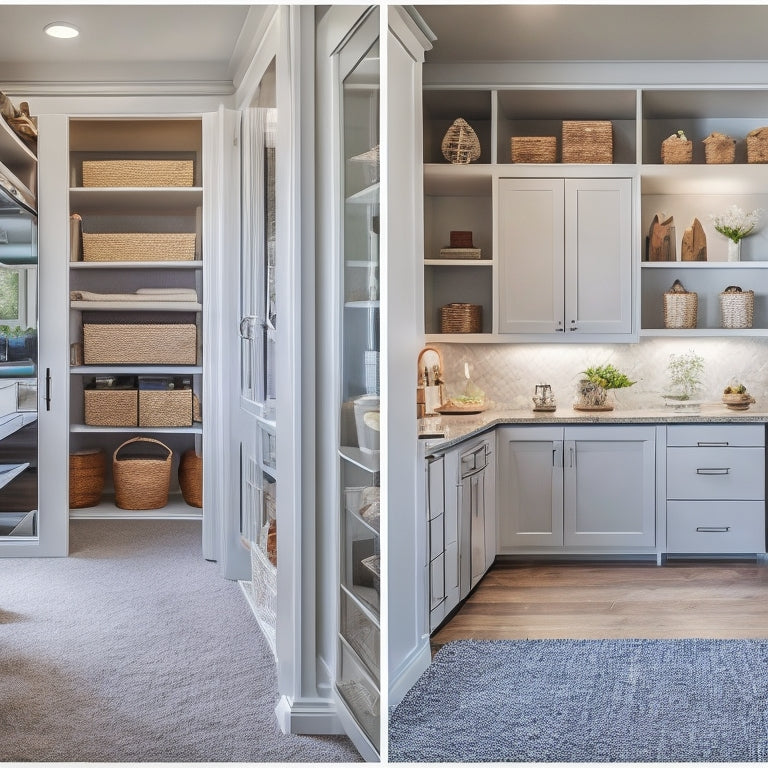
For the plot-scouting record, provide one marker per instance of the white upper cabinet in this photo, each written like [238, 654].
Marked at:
[565, 257]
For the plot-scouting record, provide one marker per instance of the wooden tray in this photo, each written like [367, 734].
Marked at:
[457, 410]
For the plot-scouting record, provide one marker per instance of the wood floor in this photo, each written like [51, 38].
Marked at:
[609, 600]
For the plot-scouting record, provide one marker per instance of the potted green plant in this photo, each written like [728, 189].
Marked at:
[595, 384]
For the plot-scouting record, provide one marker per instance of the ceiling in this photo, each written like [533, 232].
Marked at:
[544, 32]
[120, 43]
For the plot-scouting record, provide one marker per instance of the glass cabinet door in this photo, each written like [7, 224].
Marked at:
[358, 660]
[18, 372]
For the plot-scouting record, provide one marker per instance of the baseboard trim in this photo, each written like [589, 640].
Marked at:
[409, 672]
[311, 718]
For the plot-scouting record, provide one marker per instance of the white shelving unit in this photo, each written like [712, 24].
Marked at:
[135, 209]
[465, 197]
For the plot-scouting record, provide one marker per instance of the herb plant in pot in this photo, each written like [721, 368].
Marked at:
[593, 387]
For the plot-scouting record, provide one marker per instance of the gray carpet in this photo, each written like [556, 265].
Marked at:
[587, 701]
[135, 649]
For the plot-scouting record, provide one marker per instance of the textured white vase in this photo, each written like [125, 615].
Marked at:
[734, 251]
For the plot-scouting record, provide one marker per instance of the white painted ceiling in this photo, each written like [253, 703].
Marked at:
[133, 42]
[543, 32]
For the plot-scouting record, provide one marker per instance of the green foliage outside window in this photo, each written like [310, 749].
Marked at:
[9, 295]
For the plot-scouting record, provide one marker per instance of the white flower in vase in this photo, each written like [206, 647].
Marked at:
[736, 224]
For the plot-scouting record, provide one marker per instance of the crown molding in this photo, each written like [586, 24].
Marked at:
[81, 88]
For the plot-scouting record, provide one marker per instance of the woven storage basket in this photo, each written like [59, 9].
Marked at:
[137, 173]
[165, 408]
[86, 478]
[757, 146]
[680, 309]
[719, 149]
[139, 246]
[674, 151]
[737, 309]
[172, 344]
[141, 480]
[111, 407]
[533, 149]
[191, 478]
[587, 141]
[461, 318]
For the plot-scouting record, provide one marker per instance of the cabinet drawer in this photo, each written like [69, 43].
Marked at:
[436, 541]
[716, 434]
[715, 527]
[716, 473]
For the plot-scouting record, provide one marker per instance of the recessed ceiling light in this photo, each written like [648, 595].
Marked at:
[61, 29]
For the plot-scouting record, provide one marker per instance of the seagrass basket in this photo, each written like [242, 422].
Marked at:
[117, 407]
[675, 151]
[587, 141]
[165, 408]
[138, 173]
[533, 149]
[142, 477]
[461, 318]
[139, 343]
[138, 246]
[757, 146]
[719, 149]
[460, 144]
[680, 309]
[737, 308]
[191, 478]
[86, 478]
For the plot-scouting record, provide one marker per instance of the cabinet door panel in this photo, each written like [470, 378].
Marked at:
[531, 255]
[530, 480]
[598, 256]
[610, 492]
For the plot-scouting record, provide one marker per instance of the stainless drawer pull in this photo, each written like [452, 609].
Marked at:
[703, 444]
[713, 470]
[713, 529]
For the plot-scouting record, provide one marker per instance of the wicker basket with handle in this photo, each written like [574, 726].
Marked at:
[142, 479]
[737, 307]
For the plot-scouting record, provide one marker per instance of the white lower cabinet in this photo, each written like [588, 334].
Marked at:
[576, 488]
[716, 489]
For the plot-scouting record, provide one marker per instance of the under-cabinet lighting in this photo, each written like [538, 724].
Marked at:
[61, 29]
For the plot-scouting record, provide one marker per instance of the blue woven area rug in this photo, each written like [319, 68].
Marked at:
[587, 701]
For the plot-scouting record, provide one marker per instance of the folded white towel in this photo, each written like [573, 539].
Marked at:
[90, 296]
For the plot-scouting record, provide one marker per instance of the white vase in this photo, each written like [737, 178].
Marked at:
[734, 250]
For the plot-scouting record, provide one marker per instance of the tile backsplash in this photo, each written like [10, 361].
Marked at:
[508, 373]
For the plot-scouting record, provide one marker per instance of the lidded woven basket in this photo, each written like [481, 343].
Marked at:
[460, 143]
[719, 149]
[737, 307]
[680, 307]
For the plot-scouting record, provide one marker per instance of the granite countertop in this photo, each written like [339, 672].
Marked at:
[458, 428]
